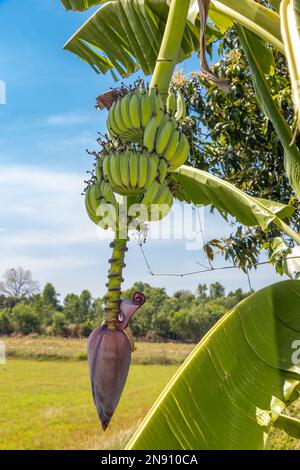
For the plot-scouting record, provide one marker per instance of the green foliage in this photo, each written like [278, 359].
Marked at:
[25, 319]
[184, 316]
[234, 141]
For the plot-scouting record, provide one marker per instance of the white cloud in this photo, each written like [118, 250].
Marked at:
[67, 119]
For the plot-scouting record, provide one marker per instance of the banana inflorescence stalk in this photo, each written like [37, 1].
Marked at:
[146, 142]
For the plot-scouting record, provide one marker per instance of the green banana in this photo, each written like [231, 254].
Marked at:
[118, 117]
[180, 107]
[143, 170]
[124, 169]
[106, 168]
[111, 123]
[98, 170]
[163, 136]
[134, 111]
[172, 145]
[146, 109]
[150, 194]
[95, 197]
[181, 153]
[152, 170]
[171, 102]
[124, 108]
[134, 170]
[150, 134]
[108, 194]
[116, 179]
[162, 170]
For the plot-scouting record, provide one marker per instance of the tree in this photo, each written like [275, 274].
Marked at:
[18, 283]
[84, 308]
[201, 292]
[50, 296]
[25, 319]
[216, 290]
[71, 307]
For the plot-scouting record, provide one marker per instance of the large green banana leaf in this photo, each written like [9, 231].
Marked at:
[125, 35]
[252, 46]
[199, 187]
[290, 28]
[236, 383]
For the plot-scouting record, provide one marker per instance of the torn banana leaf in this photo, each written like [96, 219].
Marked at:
[240, 368]
[125, 35]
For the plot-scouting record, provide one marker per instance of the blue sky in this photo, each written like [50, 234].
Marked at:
[46, 125]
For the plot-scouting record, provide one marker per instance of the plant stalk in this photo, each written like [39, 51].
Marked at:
[170, 46]
[115, 279]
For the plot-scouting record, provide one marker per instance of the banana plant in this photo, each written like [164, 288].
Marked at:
[141, 160]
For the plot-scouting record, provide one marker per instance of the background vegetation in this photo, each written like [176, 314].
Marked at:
[184, 316]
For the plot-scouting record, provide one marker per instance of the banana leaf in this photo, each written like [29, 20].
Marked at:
[290, 29]
[237, 382]
[199, 187]
[251, 46]
[125, 35]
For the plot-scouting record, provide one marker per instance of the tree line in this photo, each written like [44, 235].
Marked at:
[183, 316]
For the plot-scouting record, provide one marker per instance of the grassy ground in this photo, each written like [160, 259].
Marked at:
[48, 348]
[47, 404]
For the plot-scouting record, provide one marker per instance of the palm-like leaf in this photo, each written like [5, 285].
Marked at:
[236, 382]
[199, 187]
[126, 34]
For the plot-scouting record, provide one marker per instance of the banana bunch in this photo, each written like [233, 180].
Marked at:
[129, 172]
[101, 205]
[176, 105]
[166, 140]
[128, 117]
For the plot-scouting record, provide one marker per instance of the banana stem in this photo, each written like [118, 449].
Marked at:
[170, 46]
[115, 279]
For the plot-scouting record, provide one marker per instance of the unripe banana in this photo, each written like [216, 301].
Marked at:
[163, 136]
[115, 171]
[125, 169]
[108, 194]
[181, 153]
[172, 145]
[143, 170]
[152, 170]
[111, 122]
[161, 204]
[98, 170]
[162, 170]
[171, 102]
[150, 134]
[181, 107]
[150, 194]
[135, 111]
[124, 107]
[95, 197]
[146, 109]
[106, 168]
[118, 117]
[134, 170]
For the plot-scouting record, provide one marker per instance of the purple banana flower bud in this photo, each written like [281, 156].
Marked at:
[109, 357]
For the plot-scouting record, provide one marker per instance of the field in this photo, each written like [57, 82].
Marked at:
[46, 404]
